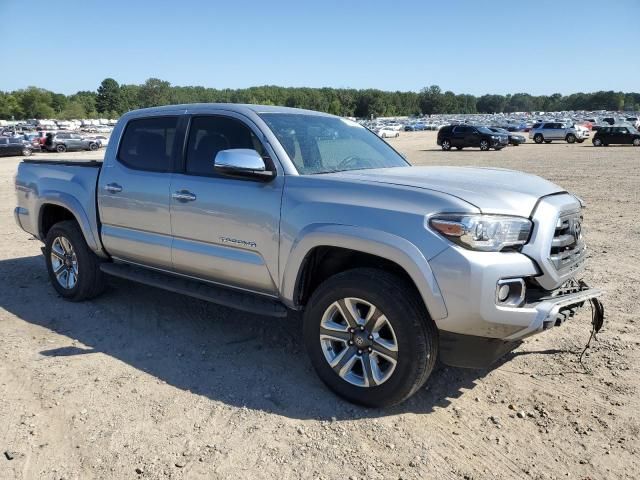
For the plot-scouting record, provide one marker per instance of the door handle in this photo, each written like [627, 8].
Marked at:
[113, 188]
[184, 196]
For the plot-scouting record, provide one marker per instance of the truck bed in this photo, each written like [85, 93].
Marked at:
[66, 183]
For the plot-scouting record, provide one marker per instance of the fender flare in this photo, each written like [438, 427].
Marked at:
[70, 203]
[370, 241]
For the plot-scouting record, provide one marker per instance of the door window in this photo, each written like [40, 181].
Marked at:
[209, 135]
[147, 144]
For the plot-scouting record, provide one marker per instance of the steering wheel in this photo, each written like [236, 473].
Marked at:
[353, 161]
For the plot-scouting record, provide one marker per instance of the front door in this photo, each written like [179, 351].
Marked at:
[225, 230]
[134, 193]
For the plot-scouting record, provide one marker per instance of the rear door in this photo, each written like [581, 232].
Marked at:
[626, 137]
[225, 229]
[4, 147]
[458, 136]
[134, 192]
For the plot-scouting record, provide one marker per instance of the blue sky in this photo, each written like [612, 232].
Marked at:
[476, 47]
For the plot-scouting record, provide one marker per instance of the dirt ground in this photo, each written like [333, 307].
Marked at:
[141, 383]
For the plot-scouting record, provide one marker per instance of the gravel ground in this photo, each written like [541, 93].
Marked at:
[141, 383]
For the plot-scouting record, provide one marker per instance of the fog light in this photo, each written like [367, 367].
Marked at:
[510, 292]
[503, 292]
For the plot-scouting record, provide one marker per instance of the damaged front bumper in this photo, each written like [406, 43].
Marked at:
[549, 309]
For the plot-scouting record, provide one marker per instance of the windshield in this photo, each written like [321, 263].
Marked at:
[318, 144]
[484, 130]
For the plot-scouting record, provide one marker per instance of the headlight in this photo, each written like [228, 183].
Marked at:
[495, 137]
[488, 233]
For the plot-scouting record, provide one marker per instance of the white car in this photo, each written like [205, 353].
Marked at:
[387, 132]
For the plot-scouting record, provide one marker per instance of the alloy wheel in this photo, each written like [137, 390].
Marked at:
[64, 263]
[358, 342]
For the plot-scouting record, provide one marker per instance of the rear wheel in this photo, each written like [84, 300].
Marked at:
[571, 138]
[538, 138]
[597, 142]
[369, 337]
[484, 145]
[74, 270]
[61, 148]
[446, 144]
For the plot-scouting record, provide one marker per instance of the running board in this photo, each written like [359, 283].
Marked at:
[227, 297]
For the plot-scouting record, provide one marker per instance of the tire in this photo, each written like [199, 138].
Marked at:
[484, 145]
[459, 148]
[497, 149]
[597, 142]
[446, 144]
[570, 138]
[27, 152]
[547, 141]
[406, 325]
[538, 138]
[65, 250]
[580, 140]
[636, 142]
[61, 148]
[93, 147]
[397, 135]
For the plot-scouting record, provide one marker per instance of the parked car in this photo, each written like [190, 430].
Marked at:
[62, 142]
[616, 135]
[549, 131]
[462, 136]
[387, 132]
[14, 146]
[33, 139]
[389, 266]
[514, 139]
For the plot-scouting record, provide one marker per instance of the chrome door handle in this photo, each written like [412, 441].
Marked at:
[184, 196]
[113, 188]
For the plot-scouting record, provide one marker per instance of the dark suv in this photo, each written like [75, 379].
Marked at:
[461, 136]
[622, 135]
[61, 142]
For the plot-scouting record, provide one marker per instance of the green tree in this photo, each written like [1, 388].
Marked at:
[154, 92]
[109, 97]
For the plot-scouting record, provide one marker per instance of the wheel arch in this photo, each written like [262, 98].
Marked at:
[64, 207]
[342, 247]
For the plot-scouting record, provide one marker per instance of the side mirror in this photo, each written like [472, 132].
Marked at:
[242, 163]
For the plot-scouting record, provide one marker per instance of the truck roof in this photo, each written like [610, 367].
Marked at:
[233, 107]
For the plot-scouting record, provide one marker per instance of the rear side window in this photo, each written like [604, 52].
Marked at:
[536, 125]
[209, 135]
[147, 144]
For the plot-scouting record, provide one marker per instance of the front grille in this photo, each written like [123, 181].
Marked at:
[568, 249]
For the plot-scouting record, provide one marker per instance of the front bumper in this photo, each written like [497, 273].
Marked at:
[468, 282]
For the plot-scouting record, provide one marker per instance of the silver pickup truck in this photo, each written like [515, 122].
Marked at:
[276, 210]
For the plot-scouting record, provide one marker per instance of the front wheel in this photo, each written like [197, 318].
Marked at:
[484, 145]
[538, 138]
[547, 141]
[571, 138]
[61, 148]
[74, 270]
[636, 142]
[93, 147]
[369, 337]
[459, 148]
[597, 142]
[26, 152]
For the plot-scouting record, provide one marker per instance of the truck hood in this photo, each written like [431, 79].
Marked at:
[491, 190]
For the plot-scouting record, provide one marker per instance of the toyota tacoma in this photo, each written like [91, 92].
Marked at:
[276, 210]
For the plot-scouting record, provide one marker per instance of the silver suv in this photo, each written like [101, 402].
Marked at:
[549, 131]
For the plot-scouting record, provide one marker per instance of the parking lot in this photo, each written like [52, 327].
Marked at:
[142, 383]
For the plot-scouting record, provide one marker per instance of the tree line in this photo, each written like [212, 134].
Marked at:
[111, 100]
